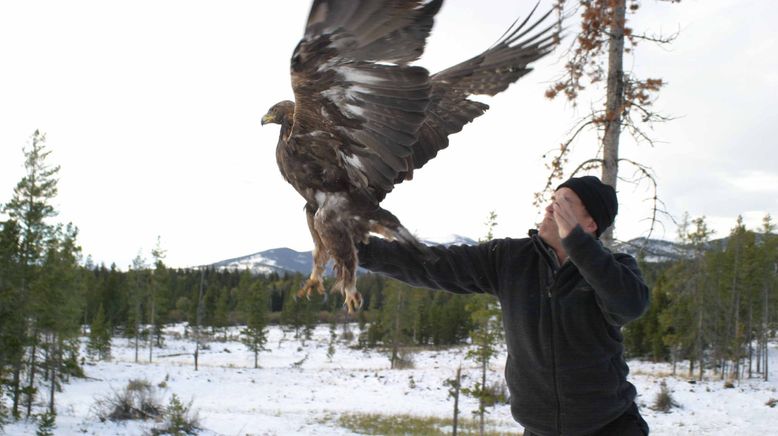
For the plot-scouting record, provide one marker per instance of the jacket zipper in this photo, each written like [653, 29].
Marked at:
[553, 357]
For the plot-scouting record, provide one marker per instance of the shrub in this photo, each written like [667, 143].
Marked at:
[46, 424]
[664, 400]
[403, 360]
[179, 419]
[138, 400]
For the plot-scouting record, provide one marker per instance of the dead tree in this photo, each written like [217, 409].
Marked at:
[596, 56]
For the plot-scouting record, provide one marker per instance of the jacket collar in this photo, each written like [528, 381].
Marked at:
[544, 250]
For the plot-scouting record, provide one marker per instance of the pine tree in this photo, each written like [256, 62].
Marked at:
[687, 320]
[486, 335]
[58, 303]
[47, 422]
[221, 318]
[138, 282]
[455, 386]
[768, 253]
[155, 297]
[99, 345]
[298, 313]
[396, 318]
[30, 207]
[254, 304]
[12, 320]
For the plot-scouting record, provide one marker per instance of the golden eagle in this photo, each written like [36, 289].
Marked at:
[363, 119]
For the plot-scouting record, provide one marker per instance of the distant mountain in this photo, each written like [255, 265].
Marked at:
[284, 260]
[278, 260]
[652, 250]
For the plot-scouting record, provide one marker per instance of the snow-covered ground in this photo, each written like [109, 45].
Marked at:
[299, 391]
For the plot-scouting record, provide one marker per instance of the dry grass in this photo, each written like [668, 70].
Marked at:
[377, 424]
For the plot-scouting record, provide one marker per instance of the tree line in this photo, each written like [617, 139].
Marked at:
[714, 306]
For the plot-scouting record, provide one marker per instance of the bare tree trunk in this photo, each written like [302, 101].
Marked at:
[151, 333]
[748, 336]
[199, 316]
[31, 380]
[736, 341]
[765, 317]
[457, 386]
[17, 387]
[700, 348]
[758, 356]
[396, 332]
[137, 329]
[137, 345]
[481, 405]
[614, 104]
[54, 364]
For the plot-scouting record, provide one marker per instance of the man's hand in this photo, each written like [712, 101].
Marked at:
[564, 216]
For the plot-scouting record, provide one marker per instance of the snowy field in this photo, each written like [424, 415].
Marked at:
[299, 391]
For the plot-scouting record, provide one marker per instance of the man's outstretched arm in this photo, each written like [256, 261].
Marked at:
[459, 269]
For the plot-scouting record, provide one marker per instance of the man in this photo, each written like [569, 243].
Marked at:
[564, 299]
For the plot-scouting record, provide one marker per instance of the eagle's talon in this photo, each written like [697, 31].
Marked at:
[353, 302]
[309, 286]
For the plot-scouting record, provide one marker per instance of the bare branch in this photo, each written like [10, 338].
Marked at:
[586, 165]
[557, 162]
[658, 39]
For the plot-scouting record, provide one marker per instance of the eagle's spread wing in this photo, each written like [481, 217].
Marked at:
[488, 73]
[358, 105]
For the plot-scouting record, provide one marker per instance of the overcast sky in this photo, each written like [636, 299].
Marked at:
[152, 109]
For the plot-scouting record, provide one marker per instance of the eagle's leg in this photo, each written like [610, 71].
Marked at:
[320, 258]
[337, 236]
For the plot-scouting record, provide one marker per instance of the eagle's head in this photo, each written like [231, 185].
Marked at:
[280, 113]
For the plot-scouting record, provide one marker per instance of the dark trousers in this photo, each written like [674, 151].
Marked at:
[628, 424]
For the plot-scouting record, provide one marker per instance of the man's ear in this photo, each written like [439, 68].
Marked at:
[590, 226]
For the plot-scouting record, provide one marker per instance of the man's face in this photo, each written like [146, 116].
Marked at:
[548, 228]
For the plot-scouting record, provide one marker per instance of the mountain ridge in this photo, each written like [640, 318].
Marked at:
[282, 260]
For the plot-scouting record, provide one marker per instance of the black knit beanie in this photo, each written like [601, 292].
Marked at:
[598, 198]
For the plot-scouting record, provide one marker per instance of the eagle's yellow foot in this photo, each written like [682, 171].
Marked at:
[353, 301]
[309, 286]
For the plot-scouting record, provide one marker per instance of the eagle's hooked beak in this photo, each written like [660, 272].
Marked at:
[268, 118]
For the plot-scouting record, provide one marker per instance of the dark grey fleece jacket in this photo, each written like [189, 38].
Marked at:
[565, 369]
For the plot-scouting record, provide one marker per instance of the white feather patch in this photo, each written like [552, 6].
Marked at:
[353, 160]
[359, 76]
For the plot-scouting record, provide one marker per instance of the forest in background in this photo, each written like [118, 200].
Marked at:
[715, 306]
